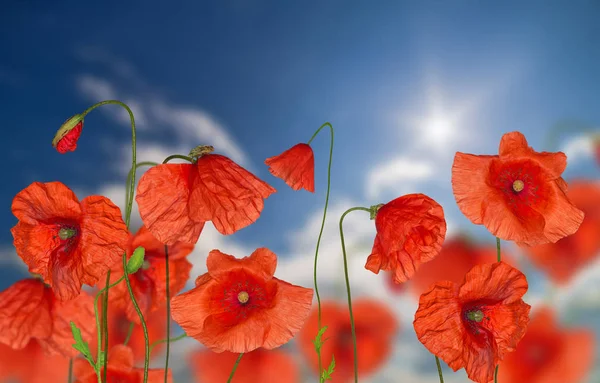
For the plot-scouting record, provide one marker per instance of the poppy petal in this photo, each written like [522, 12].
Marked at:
[24, 313]
[41, 202]
[162, 196]
[155, 248]
[296, 166]
[261, 260]
[226, 194]
[469, 176]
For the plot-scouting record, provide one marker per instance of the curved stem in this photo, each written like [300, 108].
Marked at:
[496, 374]
[498, 256]
[348, 286]
[168, 312]
[172, 340]
[179, 156]
[318, 349]
[70, 378]
[235, 366]
[439, 367]
[129, 332]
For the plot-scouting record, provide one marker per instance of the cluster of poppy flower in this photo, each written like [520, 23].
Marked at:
[472, 319]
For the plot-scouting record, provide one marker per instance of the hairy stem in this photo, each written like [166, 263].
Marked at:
[235, 366]
[348, 287]
[318, 350]
[439, 368]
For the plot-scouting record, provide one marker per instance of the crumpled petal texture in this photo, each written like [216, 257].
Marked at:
[410, 231]
[213, 314]
[562, 260]
[98, 241]
[175, 200]
[149, 282]
[539, 213]
[68, 143]
[296, 166]
[443, 326]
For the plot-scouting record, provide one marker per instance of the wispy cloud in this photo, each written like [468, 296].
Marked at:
[400, 174]
[578, 148]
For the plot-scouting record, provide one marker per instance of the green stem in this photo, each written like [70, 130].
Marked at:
[129, 332]
[105, 323]
[496, 374]
[348, 287]
[499, 257]
[172, 340]
[178, 156]
[168, 312]
[235, 366]
[321, 230]
[439, 368]
[70, 378]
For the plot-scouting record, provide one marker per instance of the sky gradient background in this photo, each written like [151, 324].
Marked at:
[405, 84]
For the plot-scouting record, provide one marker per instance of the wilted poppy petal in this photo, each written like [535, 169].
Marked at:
[296, 166]
[41, 202]
[262, 260]
[163, 194]
[226, 194]
[24, 313]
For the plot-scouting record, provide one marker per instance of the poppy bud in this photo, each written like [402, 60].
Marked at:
[136, 261]
[201, 150]
[65, 139]
[374, 209]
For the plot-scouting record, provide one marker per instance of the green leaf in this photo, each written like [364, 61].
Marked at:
[318, 341]
[326, 374]
[81, 345]
[136, 261]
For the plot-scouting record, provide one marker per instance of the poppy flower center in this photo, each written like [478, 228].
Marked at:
[476, 315]
[67, 233]
[243, 297]
[518, 186]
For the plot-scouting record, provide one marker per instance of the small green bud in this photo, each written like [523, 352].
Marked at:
[136, 261]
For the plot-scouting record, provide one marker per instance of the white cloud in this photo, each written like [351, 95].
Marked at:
[400, 174]
[578, 148]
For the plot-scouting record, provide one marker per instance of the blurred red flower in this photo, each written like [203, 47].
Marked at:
[549, 354]
[32, 365]
[518, 195]
[410, 231]
[118, 328]
[149, 282]
[119, 369]
[30, 310]
[175, 200]
[376, 327]
[296, 166]
[67, 242]
[458, 256]
[473, 325]
[563, 259]
[260, 365]
[239, 306]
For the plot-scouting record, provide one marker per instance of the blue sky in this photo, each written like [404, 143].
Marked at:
[406, 84]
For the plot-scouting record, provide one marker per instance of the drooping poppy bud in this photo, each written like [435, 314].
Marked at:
[65, 139]
[296, 166]
[136, 261]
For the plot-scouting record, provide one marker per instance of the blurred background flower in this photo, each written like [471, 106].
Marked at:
[405, 85]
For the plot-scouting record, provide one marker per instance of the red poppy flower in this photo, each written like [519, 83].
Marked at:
[119, 369]
[518, 195]
[376, 326]
[549, 354]
[67, 242]
[458, 256]
[32, 365]
[256, 366]
[176, 199]
[239, 306]
[296, 166]
[67, 136]
[563, 259]
[474, 324]
[30, 310]
[410, 231]
[118, 328]
[149, 282]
